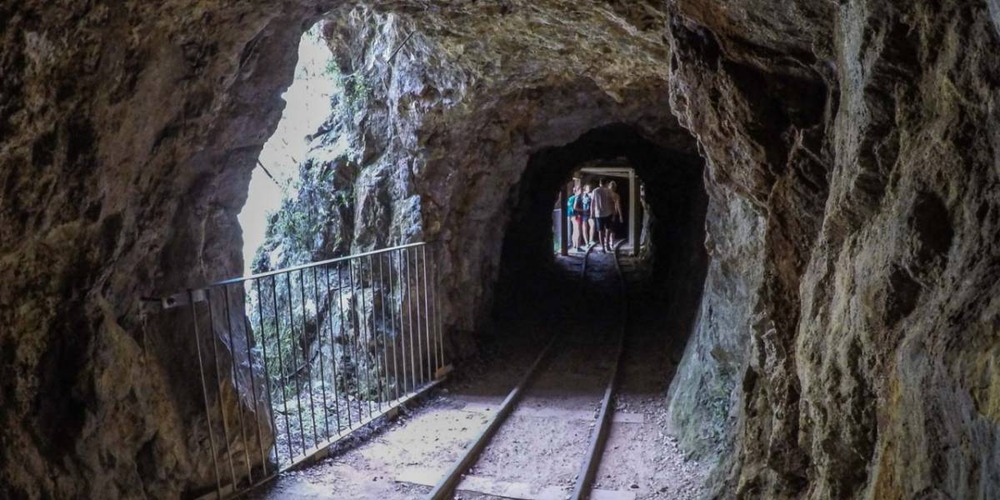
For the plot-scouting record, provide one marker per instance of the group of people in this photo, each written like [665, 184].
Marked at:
[593, 212]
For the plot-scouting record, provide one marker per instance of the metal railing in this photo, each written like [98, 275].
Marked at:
[304, 356]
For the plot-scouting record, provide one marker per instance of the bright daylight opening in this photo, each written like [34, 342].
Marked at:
[308, 106]
[617, 220]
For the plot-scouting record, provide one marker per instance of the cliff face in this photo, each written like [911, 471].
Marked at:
[127, 135]
[848, 335]
[865, 134]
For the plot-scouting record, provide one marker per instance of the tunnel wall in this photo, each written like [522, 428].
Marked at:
[863, 137]
[127, 136]
[705, 394]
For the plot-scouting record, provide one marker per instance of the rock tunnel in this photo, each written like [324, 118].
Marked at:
[672, 175]
[824, 179]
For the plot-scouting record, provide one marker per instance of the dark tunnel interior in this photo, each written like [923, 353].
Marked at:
[674, 264]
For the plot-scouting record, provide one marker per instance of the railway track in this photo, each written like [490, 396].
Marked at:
[590, 461]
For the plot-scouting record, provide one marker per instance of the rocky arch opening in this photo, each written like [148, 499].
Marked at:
[271, 210]
[577, 230]
[674, 262]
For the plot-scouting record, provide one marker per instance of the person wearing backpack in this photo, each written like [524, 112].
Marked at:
[576, 205]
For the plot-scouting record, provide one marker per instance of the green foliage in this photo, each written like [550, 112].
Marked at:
[332, 70]
[292, 334]
[357, 91]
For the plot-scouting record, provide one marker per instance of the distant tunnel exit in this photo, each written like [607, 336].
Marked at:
[663, 202]
[574, 225]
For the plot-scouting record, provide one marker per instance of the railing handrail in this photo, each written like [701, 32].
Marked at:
[243, 279]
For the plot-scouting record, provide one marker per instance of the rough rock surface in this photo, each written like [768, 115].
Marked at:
[127, 135]
[706, 389]
[865, 135]
[444, 105]
[852, 171]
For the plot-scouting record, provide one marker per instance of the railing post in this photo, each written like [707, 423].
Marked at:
[204, 392]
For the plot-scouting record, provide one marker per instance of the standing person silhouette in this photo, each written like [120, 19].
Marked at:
[575, 210]
[571, 217]
[588, 220]
[602, 207]
[616, 211]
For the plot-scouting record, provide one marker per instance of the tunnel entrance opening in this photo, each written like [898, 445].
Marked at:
[271, 213]
[671, 265]
[574, 226]
[311, 344]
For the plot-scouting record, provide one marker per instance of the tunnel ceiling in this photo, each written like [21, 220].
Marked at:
[847, 339]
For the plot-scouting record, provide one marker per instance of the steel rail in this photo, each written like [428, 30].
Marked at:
[445, 487]
[599, 436]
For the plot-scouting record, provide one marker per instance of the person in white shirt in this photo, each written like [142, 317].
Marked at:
[602, 207]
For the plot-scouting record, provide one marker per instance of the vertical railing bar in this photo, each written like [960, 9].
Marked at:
[376, 354]
[362, 335]
[306, 358]
[404, 277]
[402, 319]
[420, 337]
[353, 303]
[322, 369]
[409, 316]
[372, 342]
[294, 374]
[419, 344]
[435, 311]
[204, 391]
[281, 366]
[340, 306]
[385, 330]
[440, 300]
[333, 347]
[218, 384]
[360, 288]
[370, 357]
[236, 383]
[267, 383]
[392, 319]
[427, 317]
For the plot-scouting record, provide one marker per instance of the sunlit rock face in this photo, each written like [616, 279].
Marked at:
[866, 136]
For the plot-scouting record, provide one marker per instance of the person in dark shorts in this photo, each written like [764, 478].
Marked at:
[602, 208]
[617, 220]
